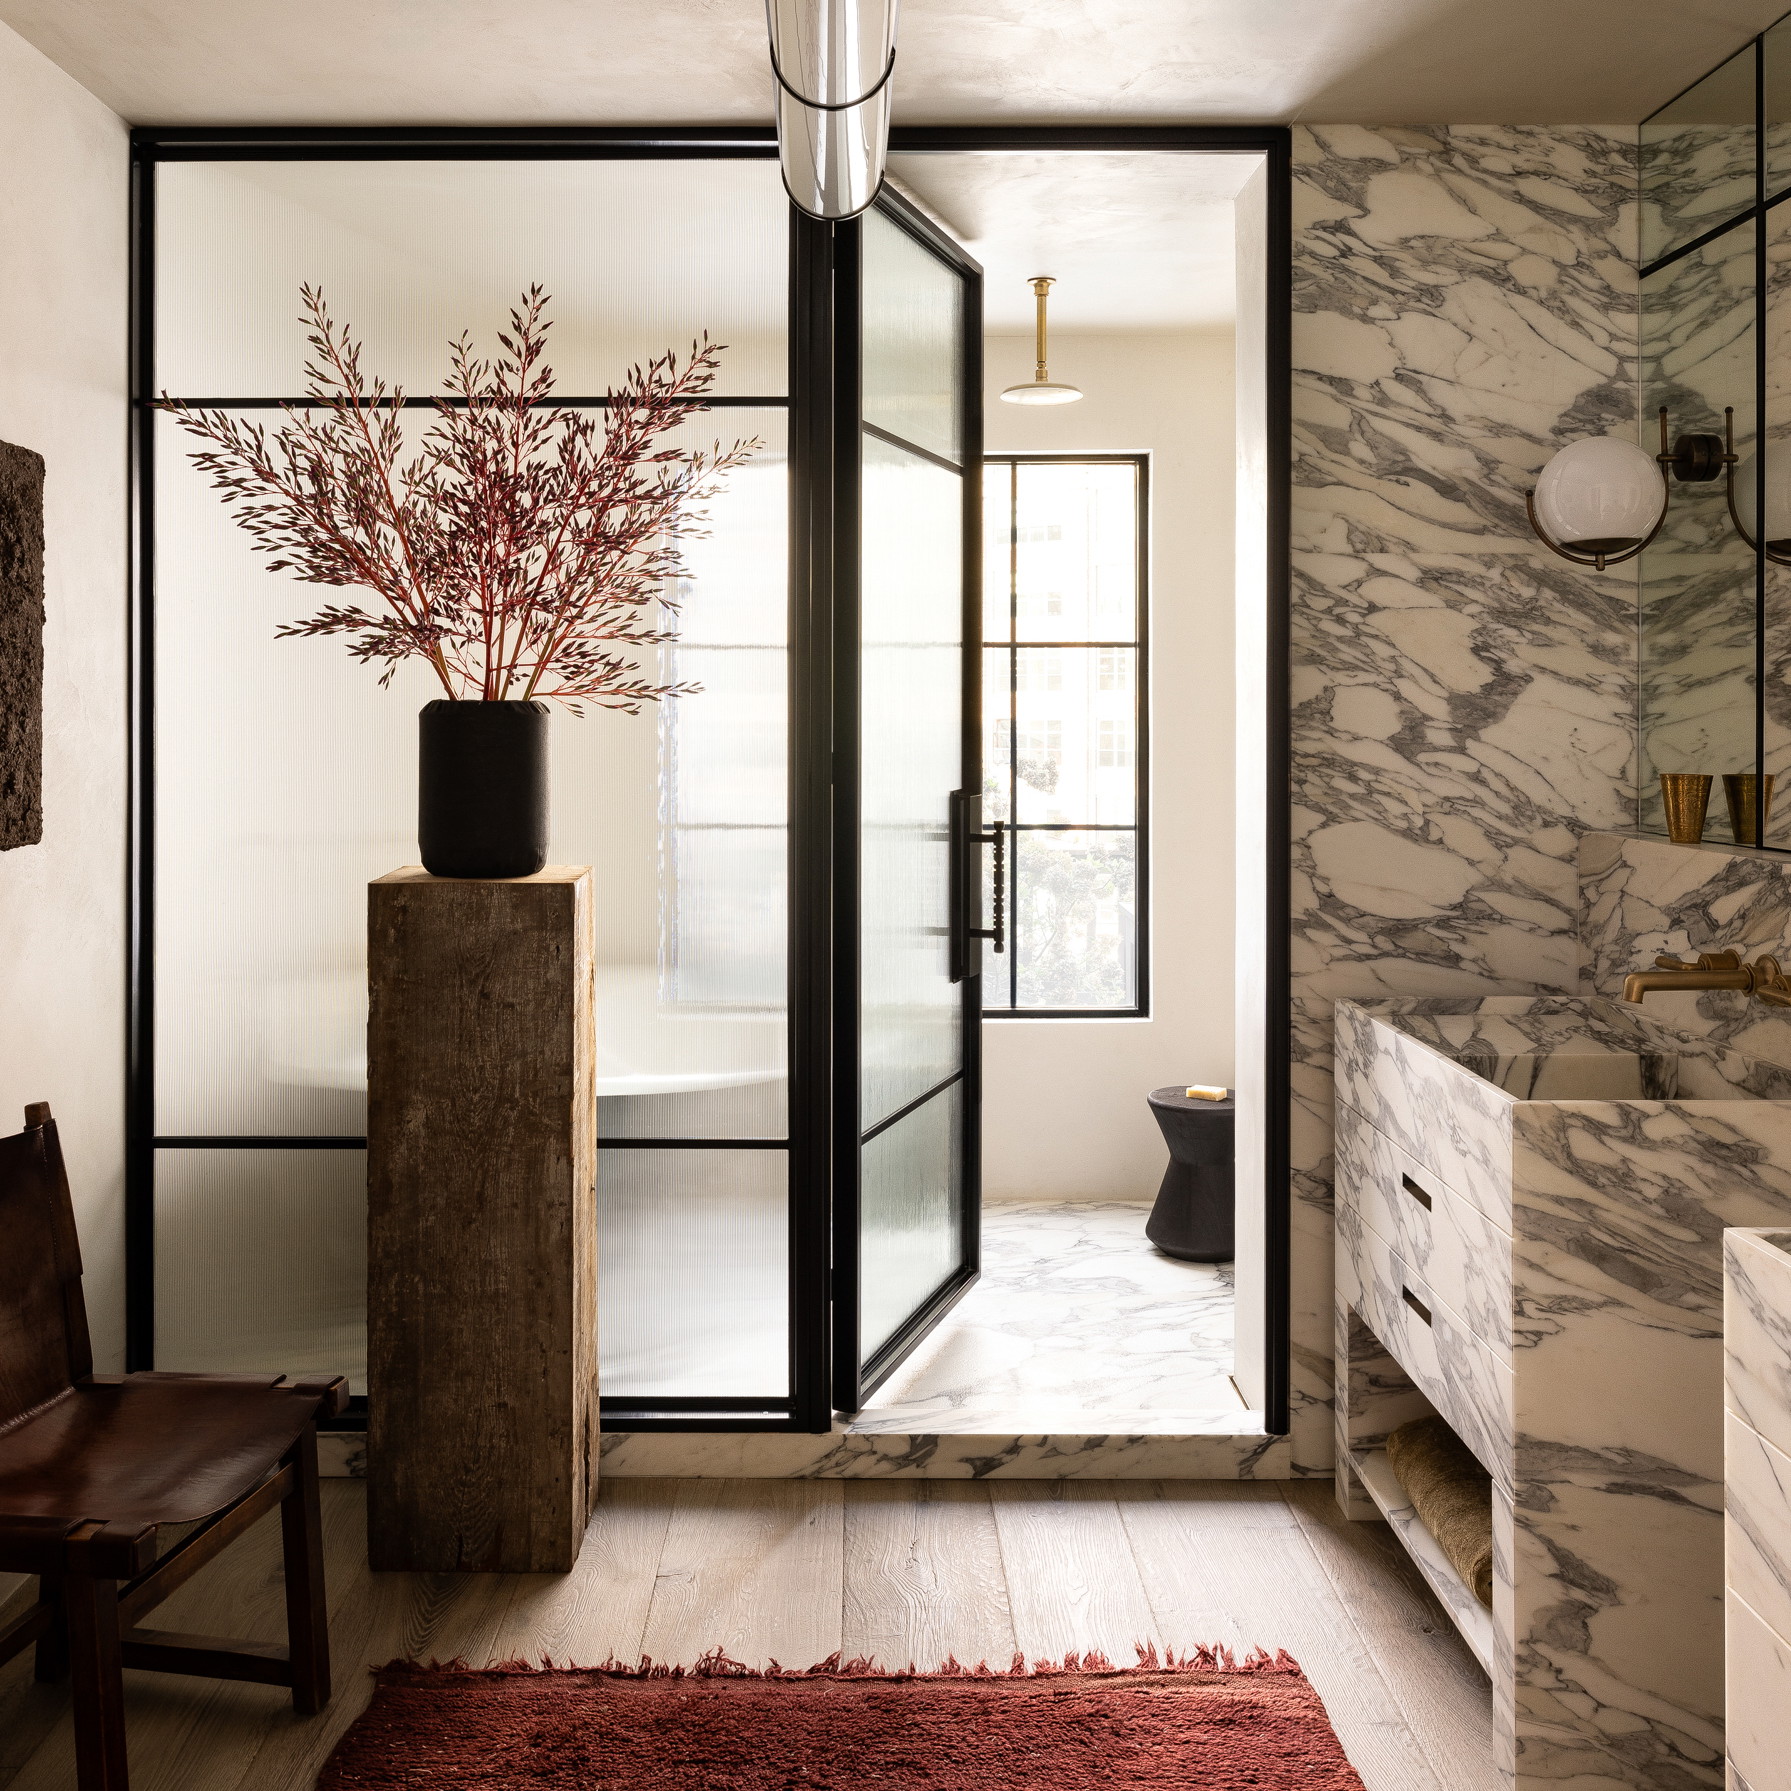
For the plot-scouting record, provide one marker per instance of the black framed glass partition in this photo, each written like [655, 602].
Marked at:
[278, 777]
[769, 1014]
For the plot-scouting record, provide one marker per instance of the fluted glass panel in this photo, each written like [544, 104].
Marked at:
[287, 780]
[911, 1202]
[911, 695]
[261, 1262]
[693, 1291]
[639, 257]
[913, 340]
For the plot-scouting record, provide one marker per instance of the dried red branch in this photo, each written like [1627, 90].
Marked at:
[513, 546]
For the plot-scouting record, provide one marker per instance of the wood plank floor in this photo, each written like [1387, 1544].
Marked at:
[791, 1570]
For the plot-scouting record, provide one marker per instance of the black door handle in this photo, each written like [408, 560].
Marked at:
[966, 833]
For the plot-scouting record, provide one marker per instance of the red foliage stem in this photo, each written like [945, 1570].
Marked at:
[509, 546]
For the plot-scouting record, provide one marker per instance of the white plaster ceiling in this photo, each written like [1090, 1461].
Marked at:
[703, 61]
[1134, 241]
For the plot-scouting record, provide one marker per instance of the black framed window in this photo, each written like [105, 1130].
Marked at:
[1065, 745]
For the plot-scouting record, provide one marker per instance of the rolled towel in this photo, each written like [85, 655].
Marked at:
[1451, 1493]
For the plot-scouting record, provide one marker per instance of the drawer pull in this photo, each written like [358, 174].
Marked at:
[1416, 1304]
[1417, 1193]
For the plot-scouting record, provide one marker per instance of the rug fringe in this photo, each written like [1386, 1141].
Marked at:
[718, 1664]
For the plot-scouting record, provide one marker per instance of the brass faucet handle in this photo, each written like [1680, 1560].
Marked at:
[1770, 984]
[1705, 960]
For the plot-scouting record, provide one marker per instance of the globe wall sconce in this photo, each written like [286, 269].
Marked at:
[1600, 501]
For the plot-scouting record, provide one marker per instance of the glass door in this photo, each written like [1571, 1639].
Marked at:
[907, 1181]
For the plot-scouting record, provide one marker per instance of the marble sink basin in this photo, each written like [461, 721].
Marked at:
[1442, 1076]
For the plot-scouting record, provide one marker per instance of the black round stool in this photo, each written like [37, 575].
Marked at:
[1193, 1215]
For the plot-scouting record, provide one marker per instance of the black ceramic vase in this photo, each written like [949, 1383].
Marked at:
[482, 788]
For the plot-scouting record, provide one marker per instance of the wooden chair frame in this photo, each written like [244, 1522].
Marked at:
[98, 1580]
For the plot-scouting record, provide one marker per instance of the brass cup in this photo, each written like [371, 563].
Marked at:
[1686, 795]
[1739, 787]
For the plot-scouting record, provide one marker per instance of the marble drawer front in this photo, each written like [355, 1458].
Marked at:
[1759, 1683]
[1469, 1386]
[1757, 1548]
[1464, 1258]
[1757, 1332]
[1757, 1506]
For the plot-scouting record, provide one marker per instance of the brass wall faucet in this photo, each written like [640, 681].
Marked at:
[1762, 979]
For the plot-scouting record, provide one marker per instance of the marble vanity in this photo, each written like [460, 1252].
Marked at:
[1531, 1199]
[1757, 1528]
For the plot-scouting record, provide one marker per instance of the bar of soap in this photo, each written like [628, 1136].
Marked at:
[1204, 1091]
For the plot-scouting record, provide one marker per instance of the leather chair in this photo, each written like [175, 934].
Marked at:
[92, 1464]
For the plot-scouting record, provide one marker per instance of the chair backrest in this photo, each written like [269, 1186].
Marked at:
[44, 1347]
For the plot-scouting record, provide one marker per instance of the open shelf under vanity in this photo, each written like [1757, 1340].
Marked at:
[1456, 1596]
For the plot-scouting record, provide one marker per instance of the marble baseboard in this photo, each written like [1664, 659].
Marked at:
[880, 1456]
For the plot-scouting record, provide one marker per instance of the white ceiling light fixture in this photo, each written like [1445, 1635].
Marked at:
[832, 61]
[1041, 389]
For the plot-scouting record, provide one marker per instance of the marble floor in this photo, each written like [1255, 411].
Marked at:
[1078, 1326]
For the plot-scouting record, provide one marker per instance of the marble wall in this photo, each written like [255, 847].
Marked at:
[1463, 701]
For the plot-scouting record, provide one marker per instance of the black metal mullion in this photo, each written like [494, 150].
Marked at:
[139, 1102]
[718, 401]
[1011, 870]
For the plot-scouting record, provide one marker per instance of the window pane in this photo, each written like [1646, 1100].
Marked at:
[998, 537]
[998, 734]
[1076, 552]
[1076, 920]
[1698, 158]
[1076, 726]
[693, 1277]
[913, 326]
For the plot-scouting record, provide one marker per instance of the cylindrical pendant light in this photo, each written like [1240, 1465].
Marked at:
[1041, 389]
[832, 61]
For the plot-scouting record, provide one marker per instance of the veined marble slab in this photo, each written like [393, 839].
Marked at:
[1463, 702]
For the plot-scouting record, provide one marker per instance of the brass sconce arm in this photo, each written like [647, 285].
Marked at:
[1777, 554]
[1763, 979]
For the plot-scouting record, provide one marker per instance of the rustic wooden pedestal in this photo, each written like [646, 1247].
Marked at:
[482, 1255]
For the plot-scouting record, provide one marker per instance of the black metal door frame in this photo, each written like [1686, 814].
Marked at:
[817, 490]
[855, 1378]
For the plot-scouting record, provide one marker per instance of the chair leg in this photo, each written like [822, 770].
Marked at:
[91, 1606]
[52, 1645]
[307, 1616]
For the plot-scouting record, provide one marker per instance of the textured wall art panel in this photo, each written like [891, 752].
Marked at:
[1463, 701]
[21, 646]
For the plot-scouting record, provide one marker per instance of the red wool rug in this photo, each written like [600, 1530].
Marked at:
[1202, 1722]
